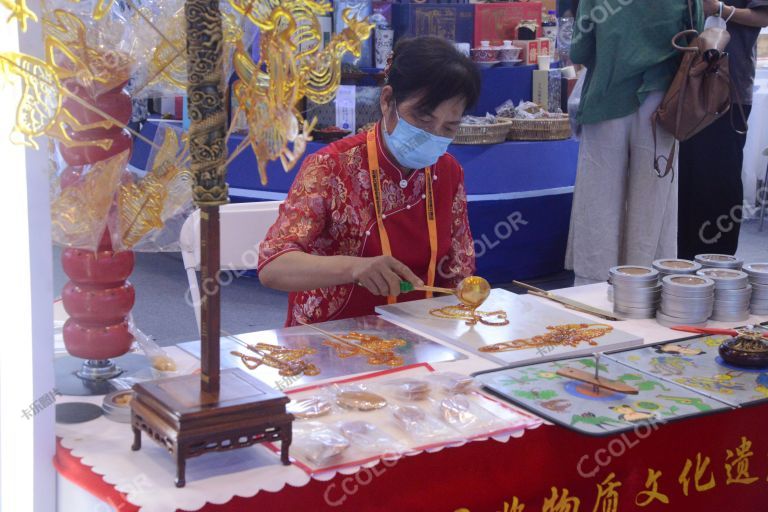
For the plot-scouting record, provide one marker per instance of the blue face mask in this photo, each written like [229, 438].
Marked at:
[413, 147]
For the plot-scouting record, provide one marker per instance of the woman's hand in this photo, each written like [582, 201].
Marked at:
[381, 275]
[711, 7]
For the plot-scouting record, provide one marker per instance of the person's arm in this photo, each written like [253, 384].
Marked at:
[750, 17]
[583, 42]
[298, 271]
[285, 264]
[460, 260]
[754, 15]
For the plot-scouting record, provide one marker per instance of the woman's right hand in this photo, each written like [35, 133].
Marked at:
[381, 275]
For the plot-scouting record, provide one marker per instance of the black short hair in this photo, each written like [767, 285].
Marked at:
[432, 66]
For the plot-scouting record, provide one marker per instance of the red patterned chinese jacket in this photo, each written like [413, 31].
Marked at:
[329, 211]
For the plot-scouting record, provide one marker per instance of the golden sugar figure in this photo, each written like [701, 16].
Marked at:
[567, 335]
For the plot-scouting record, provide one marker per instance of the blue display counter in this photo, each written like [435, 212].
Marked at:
[519, 197]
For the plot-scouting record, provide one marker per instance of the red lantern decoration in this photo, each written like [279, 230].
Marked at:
[98, 297]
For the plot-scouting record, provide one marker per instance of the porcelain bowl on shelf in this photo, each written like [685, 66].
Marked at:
[507, 54]
[485, 55]
[486, 65]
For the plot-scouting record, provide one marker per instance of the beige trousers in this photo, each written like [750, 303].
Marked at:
[623, 213]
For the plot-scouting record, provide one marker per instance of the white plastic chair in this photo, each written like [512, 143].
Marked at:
[243, 226]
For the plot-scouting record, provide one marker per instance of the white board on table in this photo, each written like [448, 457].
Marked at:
[527, 317]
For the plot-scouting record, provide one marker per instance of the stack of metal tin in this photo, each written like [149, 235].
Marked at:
[719, 261]
[636, 291]
[732, 294]
[667, 267]
[686, 300]
[758, 278]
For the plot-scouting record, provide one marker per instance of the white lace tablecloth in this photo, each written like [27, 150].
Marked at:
[146, 476]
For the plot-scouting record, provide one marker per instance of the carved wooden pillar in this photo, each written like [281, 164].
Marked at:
[208, 150]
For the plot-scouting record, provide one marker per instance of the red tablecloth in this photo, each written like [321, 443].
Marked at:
[713, 463]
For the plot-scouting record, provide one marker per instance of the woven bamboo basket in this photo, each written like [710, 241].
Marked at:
[483, 133]
[539, 129]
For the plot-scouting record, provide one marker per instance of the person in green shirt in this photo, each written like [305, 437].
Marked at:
[623, 213]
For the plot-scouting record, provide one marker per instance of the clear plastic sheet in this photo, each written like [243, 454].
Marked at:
[310, 407]
[464, 415]
[383, 420]
[407, 389]
[358, 397]
[452, 382]
[163, 365]
[151, 209]
[82, 202]
[99, 54]
[368, 438]
[319, 444]
[420, 425]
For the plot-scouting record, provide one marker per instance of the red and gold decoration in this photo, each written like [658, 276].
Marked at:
[75, 95]
[94, 145]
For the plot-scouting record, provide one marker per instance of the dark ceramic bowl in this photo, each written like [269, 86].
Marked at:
[742, 358]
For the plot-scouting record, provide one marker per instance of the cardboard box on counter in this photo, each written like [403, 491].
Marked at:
[360, 9]
[451, 21]
[498, 22]
[530, 52]
[547, 88]
[544, 46]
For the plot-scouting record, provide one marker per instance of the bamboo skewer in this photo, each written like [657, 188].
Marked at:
[405, 286]
[587, 378]
[570, 303]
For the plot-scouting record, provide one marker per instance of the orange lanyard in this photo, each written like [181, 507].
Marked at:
[386, 249]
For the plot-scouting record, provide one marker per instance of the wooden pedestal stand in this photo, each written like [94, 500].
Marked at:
[190, 422]
[216, 411]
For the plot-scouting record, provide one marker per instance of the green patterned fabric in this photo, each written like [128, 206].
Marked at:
[626, 47]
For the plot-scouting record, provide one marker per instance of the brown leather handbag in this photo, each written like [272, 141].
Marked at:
[700, 92]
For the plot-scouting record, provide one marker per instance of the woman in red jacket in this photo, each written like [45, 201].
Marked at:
[381, 207]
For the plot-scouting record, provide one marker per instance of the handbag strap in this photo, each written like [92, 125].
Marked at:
[669, 160]
[739, 103]
[690, 14]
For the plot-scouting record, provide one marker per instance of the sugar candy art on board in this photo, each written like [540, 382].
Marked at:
[570, 335]
[338, 348]
[533, 330]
